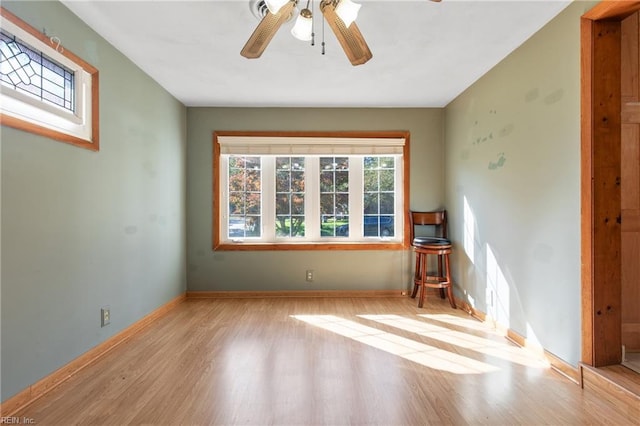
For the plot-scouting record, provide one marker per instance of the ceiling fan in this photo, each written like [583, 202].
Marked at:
[280, 11]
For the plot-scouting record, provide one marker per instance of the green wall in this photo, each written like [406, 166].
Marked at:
[513, 157]
[285, 270]
[84, 229]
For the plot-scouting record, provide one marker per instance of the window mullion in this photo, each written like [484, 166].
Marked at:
[224, 199]
[356, 186]
[312, 198]
[268, 186]
[399, 199]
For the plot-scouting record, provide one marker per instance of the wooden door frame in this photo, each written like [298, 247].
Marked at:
[600, 181]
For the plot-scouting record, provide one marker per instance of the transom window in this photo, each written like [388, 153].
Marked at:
[309, 191]
[29, 71]
[44, 88]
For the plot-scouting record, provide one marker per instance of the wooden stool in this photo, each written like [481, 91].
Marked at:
[440, 247]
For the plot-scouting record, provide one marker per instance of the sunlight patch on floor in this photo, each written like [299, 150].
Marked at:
[461, 322]
[497, 349]
[409, 349]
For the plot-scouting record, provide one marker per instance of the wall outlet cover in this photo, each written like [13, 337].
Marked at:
[105, 316]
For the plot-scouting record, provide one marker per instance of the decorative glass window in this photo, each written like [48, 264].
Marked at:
[44, 88]
[29, 71]
[328, 192]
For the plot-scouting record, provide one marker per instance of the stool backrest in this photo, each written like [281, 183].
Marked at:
[437, 219]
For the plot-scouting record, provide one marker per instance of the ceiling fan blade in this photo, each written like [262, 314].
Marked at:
[265, 31]
[351, 39]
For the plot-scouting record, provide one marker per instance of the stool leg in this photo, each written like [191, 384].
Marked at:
[440, 273]
[416, 276]
[423, 279]
[415, 290]
[450, 284]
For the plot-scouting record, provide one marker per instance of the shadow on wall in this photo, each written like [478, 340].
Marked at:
[482, 273]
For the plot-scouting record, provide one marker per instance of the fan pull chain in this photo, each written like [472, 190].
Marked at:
[313, 28]
[323, 36]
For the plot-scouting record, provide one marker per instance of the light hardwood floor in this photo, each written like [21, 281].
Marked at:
[319, 361]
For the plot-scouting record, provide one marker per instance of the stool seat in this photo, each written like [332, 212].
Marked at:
[430, 241]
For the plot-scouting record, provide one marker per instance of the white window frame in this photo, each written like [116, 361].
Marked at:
[391, 144]
[312, 204]
[19, 110]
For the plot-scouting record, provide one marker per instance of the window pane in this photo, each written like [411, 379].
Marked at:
[297, 181]
[334, 196]
[370, 163]
[297, 204]
[387, 204]
[236, 226]
[387, 163]
[327, 202]
[342, 181]
[379, 196]
[252, 162]
[283, 163]
[335, 227]
[371, 180]
[283, 204]
[387, 180]
[371, 203]
[327, 163]
[236, 179]
[386, 226]
[27, 70]
[342, 204]
[283, 181]
[245, 197]
[371, 224]
[253, 203]
[253, 180]
[236, 162]
[252, 226]
[342, 230]
[290, 226]
[290, 220]
[236, 203]
[378, 226]
[326, 181]
[244, 226]
[342, 163]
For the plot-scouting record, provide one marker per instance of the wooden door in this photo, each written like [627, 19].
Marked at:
[601, 177]
[630, 182]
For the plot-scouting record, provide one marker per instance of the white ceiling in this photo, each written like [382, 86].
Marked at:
[424, 53]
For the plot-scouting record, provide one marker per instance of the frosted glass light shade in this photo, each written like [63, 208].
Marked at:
[304, 26]
[347, 11]
[275, 5]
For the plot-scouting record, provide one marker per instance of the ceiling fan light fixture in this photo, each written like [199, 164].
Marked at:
[303, 28]
[347, 11]
[274, 6]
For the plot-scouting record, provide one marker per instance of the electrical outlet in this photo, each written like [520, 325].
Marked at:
[489, 296]
[309, 275]
[105, 316]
